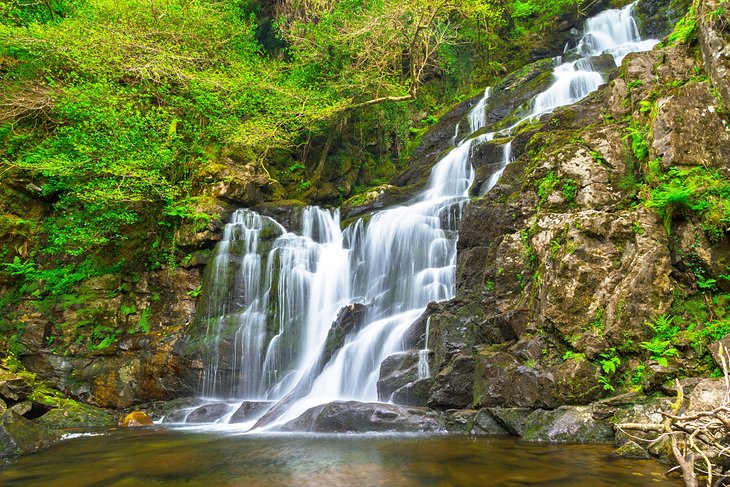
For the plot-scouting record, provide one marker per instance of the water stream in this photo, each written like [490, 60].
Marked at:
[273, 294]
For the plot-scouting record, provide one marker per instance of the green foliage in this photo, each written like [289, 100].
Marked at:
[609, 362]
[686, 28]
[575, 356]
[637, 135]
[696, 191]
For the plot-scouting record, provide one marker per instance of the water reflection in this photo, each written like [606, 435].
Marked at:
[174, 458]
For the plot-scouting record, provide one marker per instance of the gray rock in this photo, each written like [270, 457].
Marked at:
[396, 371]
[250, 410]
[512, 419]
[567, 424]
[208, 413]
[708, 395]
[486, 424]
[359, 417]
[414, 393]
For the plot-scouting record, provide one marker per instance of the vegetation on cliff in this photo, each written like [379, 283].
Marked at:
[127, 129]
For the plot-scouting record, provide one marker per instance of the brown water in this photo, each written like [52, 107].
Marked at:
[160, 457]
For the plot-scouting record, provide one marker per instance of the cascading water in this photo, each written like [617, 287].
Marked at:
[281, 292]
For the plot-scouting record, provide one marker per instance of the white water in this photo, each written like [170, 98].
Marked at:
[283, 301]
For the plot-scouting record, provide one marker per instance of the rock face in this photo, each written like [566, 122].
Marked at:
[559, 270]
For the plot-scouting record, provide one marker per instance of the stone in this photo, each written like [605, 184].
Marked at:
[12, 386]
[707, 395]
[567, 424]
[716, 351]
[208, 413]
[396, 371]
[72, 414]
[21, 436]
[715, 47]
[688, 131]
[22, 408]
[631, 450]
[136, 419]
[511, 419]
[359, 417]
[414, 393]
[642, 411]
[454, 385]
[250, 411]
[486, 424]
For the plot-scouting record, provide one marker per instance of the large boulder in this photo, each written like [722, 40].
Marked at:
[359, 417]
[20, 436]
[567, 424]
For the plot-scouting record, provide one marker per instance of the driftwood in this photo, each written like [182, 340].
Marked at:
[700, 441]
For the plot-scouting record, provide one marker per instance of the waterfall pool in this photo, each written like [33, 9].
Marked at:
[164, 457]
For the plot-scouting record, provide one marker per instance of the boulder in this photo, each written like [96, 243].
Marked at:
[454, 385]
[689, 131]
[359, 417]
[567, 424]
[708, 395]
[12, 386]
[250, 411]
[397, 371]
[513, 420]
[20, 436]
[72, 414]
[208, 413]
[414, 393]
[135, 419]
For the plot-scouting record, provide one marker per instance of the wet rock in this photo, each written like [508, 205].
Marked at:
[486, 424]
[350, 319]
[656, 18]
[513, 420]
[395, 372]
[414, 393]
[250, 410]
[20, 436]
[631, 450]
[567, 424]
[359, 417]
[72, 414]
[135, 419]
[454, 385]
[208, 413]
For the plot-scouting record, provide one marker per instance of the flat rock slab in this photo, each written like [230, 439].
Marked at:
[362, 417]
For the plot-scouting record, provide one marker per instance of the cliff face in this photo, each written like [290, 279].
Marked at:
[560, 267]
[570, 269]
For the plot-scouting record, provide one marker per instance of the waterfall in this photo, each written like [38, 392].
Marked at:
[279, 291]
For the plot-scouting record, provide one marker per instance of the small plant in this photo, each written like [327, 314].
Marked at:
[609, 363]
[575, 356]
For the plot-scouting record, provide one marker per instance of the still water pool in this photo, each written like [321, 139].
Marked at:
[162, 457]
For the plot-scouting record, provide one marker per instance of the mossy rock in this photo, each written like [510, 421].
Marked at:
[72, 414]
[20, 436]
[136, 419]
